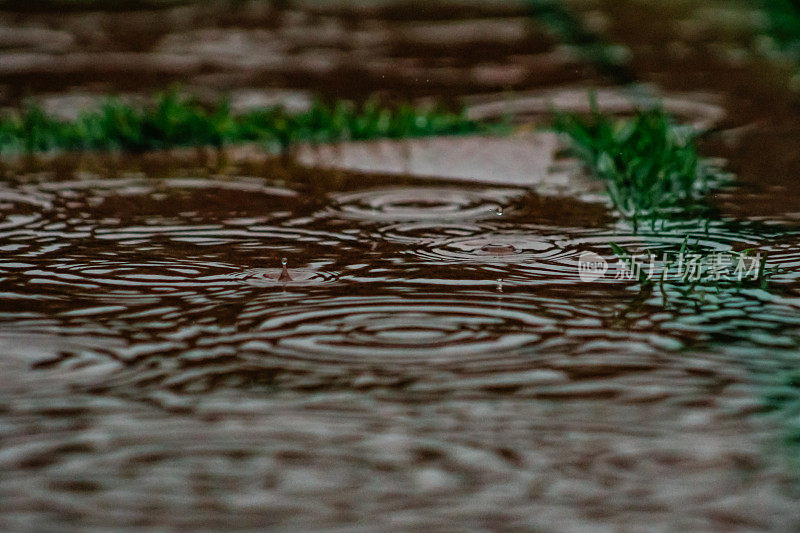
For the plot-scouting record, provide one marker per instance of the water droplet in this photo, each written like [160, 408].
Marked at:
[499, 211]
[285, 272]
[499, 284]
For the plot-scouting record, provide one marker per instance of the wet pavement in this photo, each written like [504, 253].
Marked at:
[430, 356]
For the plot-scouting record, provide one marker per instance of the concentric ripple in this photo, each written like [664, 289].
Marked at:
[391, 329]
[492, 247]
[398, 204]
[270, 277]
[21, 207]
[108, 275]
[144, 280]
[180, 283]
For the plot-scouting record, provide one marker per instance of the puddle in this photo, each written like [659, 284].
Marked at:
[430, 354]
[142, 262]
[169, 296]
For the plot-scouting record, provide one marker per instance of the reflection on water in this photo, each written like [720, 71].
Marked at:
[415, 281]
[418, 204]
[159, 290]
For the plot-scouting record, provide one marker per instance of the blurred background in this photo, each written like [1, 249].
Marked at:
[260, 52]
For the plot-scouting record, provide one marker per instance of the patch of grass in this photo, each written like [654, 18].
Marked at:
[175, 120]
[650, 164]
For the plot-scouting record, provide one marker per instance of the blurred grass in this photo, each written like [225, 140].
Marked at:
[784, 24]
[559, 18]
[649, 164]
[175, 120]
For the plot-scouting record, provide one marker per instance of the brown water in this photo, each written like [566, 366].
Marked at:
[435, 354]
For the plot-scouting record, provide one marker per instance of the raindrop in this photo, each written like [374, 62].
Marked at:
[285, 272]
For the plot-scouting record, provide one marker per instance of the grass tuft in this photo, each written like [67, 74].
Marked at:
[174, 120]
[650, 165]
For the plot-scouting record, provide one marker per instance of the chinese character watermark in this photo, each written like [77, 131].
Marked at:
[680, 267]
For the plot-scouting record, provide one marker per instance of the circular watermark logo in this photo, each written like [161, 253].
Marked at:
[591, 266]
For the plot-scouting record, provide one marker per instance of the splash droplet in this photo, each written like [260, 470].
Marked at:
[285, 272]
[499, 284]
